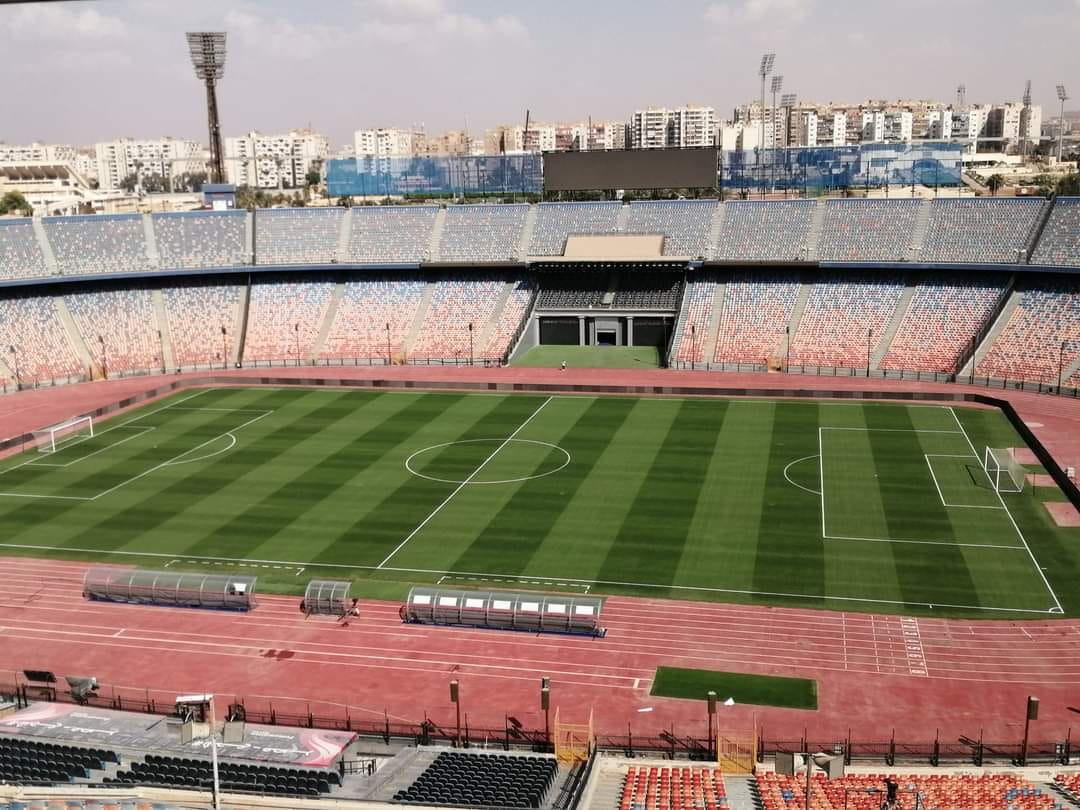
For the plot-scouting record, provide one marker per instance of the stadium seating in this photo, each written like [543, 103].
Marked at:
[367, 306]
[98, 243]
[118, 327]
[196, 314]
[510, 318]
[482, 233]
[945, 314]
[43, 349]
[199, 239]
[20, 254]
[685, 224]
[1070, 783]
[757, 308]
[875, 230]
[180, 772]
[1059, 243]
[25, 761]
[482, 780]
[697, 312]
[866, 792]
[399, 233]
[841, 310]
[455, 304]
[556, 221]
[285, 315]
[642, 289]
[1029, 347]
[676, 788]
[981, 229]
[765, 231]
[572, 289]
[297, 235]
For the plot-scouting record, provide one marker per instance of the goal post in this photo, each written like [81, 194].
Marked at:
[49, 439]
[1006, 474]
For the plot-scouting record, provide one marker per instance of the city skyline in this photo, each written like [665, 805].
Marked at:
[450, 64]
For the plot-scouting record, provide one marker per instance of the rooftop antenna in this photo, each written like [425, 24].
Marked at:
[208, 56]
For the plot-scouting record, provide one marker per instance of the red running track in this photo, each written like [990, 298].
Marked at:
[875, 673]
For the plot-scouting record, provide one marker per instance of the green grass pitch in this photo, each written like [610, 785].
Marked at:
[841, 505]
[760, 690]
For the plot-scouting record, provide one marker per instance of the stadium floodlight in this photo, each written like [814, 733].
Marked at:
[777, 83]
[1062, 97]
[208, 56]
[788, 100]
[764, 70]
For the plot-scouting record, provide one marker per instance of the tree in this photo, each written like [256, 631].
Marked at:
[313, 178]
[995, 182]
[15, 202]
[1069, 185]
[345, 202]
[128, 183]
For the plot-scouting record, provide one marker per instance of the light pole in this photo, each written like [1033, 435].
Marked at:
[296, 331]
[15, 359]
[455, 698]
[470, 343]
[710, 697]
[208, 56]
[1061, 357]
[545, 704]
[1062, 97]
[787, 349]
[104, 363]
[763, 71]
[161, 349]
[224, 349]
[693, 345]
[777, 83]
[387, 343]
[1031, 714]
[869, 334]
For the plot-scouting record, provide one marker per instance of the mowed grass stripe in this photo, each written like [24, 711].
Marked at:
[401, 510]
[653, 535]
[925, 573]
[26, 520]
[510, 540]
[790, 553]
[294, 490]
[147, 509]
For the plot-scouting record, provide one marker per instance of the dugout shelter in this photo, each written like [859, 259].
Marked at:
[169, 588]
[504, 610]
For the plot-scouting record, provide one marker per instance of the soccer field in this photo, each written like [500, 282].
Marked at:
[843, 505]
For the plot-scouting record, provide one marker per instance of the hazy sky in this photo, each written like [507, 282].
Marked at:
[80, 72]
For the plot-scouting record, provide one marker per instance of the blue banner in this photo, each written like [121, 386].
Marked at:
[474, 176]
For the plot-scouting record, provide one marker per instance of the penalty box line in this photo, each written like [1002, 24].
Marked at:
[937, 486]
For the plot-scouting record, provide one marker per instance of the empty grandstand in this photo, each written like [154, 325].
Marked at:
[234, 777]
[118, 328]
[844, 317]
[673, 788]
[483, 780]
[201, 239]
[20, 253]
[556, 221]
[373, 318]
[695, 320]
[202, 322]
[761, 231]
[297, 235]
[100, 243]
[756, 312]
[981, 230]
[43, 348]
[460, 314]
[685, 224]
[284, 319]
[482, 233]
[391, 234]
[509, 320]
[870, 230]
[1059, 243]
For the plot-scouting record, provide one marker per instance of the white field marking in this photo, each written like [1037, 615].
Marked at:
[551, 583]
[1042, 574]
[141, 431]
[617, 583]
[949, 543]
[821, 477]
[165, 407]
[890, 430]
[464, 483]
[795, 483]
[208, 455]
[930, 464]
[243, 564]
[418, 474]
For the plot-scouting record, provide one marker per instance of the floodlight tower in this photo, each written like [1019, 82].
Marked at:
[787, 102]
[1062, 97]
[208, 57]
[763, 71]
[777, 84]
[1025, 120]
[961, 95]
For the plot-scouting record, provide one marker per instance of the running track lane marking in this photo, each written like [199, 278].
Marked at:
[464, 483]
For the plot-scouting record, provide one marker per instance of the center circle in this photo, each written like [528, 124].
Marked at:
[534, 450]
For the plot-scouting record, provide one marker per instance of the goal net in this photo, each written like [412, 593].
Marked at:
[1005, 472]
[49, 439]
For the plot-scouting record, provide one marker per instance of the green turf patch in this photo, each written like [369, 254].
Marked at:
[759, 690]
[591, 357]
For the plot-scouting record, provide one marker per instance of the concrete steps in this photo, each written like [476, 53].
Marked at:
[992, 335]
[46, 248]
[328, 321]
[918, 235]
[249, 237]
[886, 339]
[717, 228]
[168, 359]
[435, 245]
[418, 319]
[708, 348]
[527, 232]
[799, 309]
[75, 337]
[817, 227]
[483, 335]
[741, 792]
[344, 236]
[240, 325]
[152, 254]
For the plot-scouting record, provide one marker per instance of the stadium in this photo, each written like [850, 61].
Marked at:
[454, 500]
